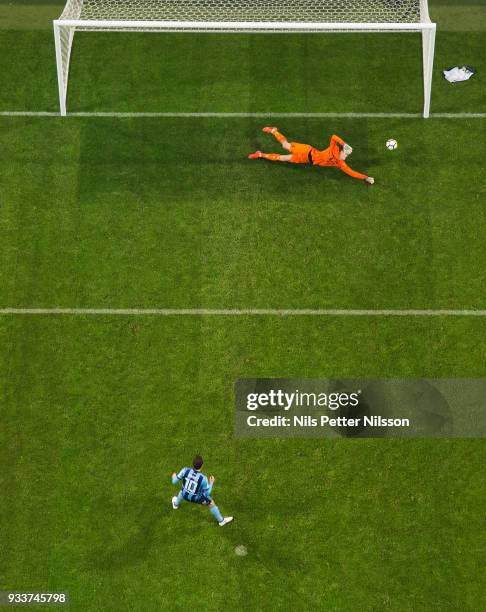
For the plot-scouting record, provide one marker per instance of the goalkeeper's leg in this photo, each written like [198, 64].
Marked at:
[270, 156]
[280, 137]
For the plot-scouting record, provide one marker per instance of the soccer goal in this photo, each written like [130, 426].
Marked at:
[266, 16]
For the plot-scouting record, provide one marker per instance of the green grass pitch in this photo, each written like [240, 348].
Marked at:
[96, 412]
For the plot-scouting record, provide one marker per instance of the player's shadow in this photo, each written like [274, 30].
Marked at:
[128, 538]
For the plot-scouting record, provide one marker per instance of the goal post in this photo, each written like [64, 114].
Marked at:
[238, 16]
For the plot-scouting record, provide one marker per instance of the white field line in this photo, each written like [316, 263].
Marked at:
[244, 115]
[243, 312]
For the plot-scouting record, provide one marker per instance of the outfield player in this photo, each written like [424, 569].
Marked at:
[196, 488]
[334, 155]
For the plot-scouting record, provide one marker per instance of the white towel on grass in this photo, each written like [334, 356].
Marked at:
[456, 74]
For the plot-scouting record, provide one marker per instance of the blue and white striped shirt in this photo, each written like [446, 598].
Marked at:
[194, 483]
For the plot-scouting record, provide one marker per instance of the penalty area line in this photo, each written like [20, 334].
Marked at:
[244, 312]
[242, 115]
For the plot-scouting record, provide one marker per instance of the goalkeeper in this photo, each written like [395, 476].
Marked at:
[334, 155]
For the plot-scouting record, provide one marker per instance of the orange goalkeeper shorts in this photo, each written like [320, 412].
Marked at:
[300, 153]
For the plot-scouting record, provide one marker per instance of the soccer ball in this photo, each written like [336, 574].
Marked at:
[391, 144]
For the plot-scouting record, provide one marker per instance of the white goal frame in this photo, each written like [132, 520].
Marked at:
[65, 27]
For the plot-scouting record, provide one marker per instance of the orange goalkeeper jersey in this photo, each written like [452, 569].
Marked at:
[330, 157]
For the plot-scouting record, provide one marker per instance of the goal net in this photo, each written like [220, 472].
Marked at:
[243, 16]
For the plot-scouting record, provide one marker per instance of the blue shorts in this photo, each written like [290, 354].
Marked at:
[205, 500]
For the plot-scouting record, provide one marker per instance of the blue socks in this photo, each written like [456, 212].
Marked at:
[216, 513]
[214, 510]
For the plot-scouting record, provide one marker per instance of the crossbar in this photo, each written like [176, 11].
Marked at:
[234, 26]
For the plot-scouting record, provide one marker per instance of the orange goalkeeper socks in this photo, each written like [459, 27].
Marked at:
[272, 156]
[280, 137]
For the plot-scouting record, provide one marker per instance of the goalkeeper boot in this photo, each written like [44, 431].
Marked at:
[269, 130]
[255, 155]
